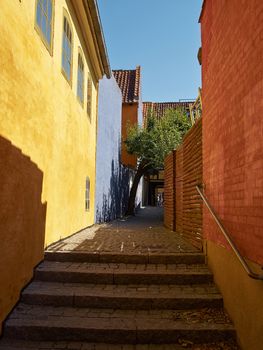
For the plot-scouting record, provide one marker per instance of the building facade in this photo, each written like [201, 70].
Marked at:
[112, 177]
[232, 95]
[52, 57]
[129, 82]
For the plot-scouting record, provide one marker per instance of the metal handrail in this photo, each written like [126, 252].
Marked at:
[228, 238]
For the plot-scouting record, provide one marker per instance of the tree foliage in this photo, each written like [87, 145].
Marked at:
[152, 143]
[159, 137]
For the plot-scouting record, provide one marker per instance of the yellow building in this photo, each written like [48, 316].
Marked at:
[52, 55]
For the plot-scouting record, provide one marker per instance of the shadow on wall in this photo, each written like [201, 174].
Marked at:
[114, 203]
[22, 223]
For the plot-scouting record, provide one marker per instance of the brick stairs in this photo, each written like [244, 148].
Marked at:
[81, 300]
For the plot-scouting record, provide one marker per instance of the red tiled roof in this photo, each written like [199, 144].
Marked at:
[129, 83]
[159, 108]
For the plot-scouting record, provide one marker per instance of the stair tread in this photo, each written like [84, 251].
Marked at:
[125, 257]
[119, 268]
[69, 317]
[7, 344]
[125, 291]
[110, 252]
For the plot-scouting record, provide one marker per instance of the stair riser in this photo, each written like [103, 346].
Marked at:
[179, 279]
[116, 336]
[125, 259]
[121, 303]
[125, 278]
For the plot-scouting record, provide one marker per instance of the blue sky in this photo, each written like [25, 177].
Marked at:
[163, 37]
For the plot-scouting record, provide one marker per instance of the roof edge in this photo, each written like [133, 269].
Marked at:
[129, 81]
[94, 10]
[202, 11]
[138, 82]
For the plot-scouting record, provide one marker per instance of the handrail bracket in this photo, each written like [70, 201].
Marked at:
[227, 236]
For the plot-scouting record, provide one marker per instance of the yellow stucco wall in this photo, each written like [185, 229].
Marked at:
[42, 117]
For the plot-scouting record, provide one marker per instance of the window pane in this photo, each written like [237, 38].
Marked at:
[49, 12]
[64, 45]
[80, 78]
[66, 50]
[44, 2]
[63, 61]
[44, 25]
[39, 14]
[89, 96]
[44, 19]
[49, 34]
[68, 69]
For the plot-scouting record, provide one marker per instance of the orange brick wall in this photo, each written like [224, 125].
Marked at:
[182, 172]
[179, 190]
[232, 91]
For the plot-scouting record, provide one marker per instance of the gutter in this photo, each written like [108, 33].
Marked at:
[93, 6]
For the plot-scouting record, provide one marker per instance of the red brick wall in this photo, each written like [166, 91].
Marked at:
[192, 213]
[232, 96]
[183, 171]
[169, 189]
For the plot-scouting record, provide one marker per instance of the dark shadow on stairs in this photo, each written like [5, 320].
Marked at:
[22, 223]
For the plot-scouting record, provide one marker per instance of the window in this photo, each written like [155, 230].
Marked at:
[44, 20]
[87, 194]
[80, 87]
[67, 50]
[89, 96]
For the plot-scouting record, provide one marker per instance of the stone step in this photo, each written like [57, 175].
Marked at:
[143, 297]
[7, 344]
[113, 273]
[39, 323]
[108, 257]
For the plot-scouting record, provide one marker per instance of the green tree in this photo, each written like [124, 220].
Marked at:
[153, 142]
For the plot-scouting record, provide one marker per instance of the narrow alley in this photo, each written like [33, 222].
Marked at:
[131, 175]
[129, 282]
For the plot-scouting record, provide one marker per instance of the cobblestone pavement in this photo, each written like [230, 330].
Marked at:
[143, 233]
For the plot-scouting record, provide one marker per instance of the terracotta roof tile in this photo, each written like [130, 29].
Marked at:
[129, 83]
[159, 108]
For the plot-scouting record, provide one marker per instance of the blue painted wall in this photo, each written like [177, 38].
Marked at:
[140, 190]
[112, 179]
